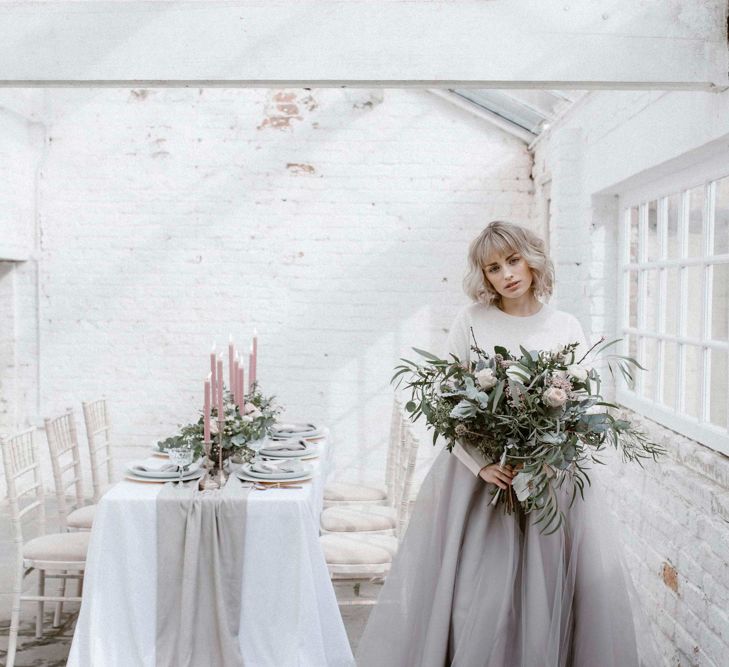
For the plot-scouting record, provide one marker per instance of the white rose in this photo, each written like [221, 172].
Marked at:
[577, 372]
[486, 378]
[554, 397]
[247, 419]
[252, 410]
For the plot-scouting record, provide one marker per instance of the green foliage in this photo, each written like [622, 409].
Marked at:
[540, 412]
[238, 430]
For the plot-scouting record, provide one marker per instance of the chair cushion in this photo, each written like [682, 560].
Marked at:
[358, 550]
[338, 491]
[58, 547]
[358, 518]
[83, 517]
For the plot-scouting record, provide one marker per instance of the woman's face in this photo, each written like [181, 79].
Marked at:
[508, 274]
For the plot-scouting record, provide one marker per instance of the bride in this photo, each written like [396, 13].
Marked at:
[474, 587]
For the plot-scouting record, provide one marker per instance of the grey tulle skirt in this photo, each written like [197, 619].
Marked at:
[474, 587]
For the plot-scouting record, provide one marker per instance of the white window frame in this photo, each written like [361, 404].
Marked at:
[680, 182]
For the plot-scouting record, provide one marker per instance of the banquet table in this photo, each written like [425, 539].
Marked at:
[289, 614]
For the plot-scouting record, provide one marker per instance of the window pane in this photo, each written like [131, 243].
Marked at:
[721, 224]
[652, 249]
[696, 221]
[633, 353]
[651, 304]
[695, 295]
[669, 374]
[720, 302]
[633, 298]
[633, 233]
[719, 386]
[692, 387]
[672, 296]
[649, 362]
[672, 239]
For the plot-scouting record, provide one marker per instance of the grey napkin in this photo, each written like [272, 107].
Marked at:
[200, 540]
[282, 429]
[164, 467]
[273, 467]
[290, 445]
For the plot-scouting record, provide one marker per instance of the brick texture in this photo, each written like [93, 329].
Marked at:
[674, 516]
[334, 221]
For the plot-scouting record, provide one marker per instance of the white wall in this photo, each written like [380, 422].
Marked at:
[334, 221]
[21, 140]
[675, 516]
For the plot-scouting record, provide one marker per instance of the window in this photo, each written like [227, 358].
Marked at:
[674, 304]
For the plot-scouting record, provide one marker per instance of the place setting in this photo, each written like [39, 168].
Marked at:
[297, 430]
[290, 448]
[282, 473]
[178, 466]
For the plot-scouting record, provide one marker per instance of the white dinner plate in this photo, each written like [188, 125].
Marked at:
[314, 435]
[247, 478]
[246, 469]
[160, 474]
[250, 478]
[195, 474]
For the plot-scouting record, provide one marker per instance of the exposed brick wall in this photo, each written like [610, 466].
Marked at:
[674, 516]
[334, 221]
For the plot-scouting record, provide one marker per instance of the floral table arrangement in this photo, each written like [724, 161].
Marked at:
[231, 419]
[540, 412]
[239, 430]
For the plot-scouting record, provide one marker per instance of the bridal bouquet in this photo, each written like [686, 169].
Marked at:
[540, 412]
[259, 414]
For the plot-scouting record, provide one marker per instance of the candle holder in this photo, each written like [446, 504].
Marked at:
[222, 477]
[209, 482]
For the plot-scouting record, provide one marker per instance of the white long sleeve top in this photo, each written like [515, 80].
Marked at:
[547, 328]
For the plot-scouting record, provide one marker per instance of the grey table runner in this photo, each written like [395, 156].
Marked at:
[200, 538]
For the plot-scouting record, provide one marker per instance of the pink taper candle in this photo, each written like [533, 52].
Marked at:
[241, 391]
[220, 387]
[236, 388]
[206, 409]
[251, 370]
[213, 383]
[231, 358]
[255, 354]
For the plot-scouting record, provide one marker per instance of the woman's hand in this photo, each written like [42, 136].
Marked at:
[495, 474]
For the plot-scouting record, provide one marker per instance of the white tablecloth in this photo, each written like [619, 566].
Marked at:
[289, 613]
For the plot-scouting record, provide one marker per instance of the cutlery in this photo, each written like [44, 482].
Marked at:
[276, 485]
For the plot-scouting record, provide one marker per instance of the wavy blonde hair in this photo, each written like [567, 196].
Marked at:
[503, 238]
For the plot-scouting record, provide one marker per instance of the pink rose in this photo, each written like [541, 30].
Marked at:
[554, 397]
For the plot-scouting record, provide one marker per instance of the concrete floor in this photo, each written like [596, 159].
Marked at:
[52, 649]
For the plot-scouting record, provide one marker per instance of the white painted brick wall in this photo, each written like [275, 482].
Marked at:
[334, 221]
[675, 515]
[21, 136]
[339, 228]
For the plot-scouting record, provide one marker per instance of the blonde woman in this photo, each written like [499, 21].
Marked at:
[474, 587]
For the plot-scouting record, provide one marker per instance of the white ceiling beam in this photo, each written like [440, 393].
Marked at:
[672, 44]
